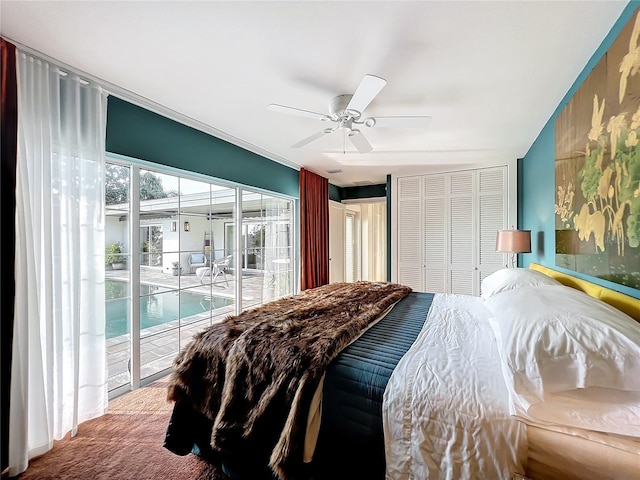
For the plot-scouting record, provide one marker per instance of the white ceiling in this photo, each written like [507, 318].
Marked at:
[489, 73]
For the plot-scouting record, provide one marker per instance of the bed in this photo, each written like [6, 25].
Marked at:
[421, 389]
[557, 451]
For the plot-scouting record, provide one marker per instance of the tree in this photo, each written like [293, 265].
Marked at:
[151, 187]
[117, 185]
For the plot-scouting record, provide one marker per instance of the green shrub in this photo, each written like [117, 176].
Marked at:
[111, 252]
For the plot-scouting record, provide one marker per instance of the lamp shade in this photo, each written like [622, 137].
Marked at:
[513, 241]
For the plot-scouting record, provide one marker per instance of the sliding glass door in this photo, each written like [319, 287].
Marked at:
[188, 268]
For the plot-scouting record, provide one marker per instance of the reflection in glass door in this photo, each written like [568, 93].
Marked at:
[253, 234]
[151, 245]
[267, 247]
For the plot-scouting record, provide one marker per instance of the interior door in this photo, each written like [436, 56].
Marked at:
[336, 241]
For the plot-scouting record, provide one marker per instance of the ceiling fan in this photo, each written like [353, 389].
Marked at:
[346, 111]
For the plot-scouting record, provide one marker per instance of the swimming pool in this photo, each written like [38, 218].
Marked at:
[155, 308]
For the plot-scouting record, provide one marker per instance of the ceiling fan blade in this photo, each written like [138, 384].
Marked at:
[297, 111]
[359, 141]
[313, 137]
[398, 122]
[369, 87]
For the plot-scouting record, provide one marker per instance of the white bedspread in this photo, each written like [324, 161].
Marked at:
[446, 407]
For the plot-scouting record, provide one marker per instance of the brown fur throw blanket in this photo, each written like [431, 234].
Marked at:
[253, 375]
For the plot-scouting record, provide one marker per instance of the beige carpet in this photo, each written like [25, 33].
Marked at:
[124, 444]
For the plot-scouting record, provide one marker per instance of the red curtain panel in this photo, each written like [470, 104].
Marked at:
[314, 230]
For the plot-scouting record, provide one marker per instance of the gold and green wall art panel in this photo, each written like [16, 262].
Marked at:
[597, 167]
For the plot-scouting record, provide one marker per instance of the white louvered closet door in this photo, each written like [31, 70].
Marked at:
[447, 224]
[410, 233]
[492, 185]
[435, 245]
[462, 225]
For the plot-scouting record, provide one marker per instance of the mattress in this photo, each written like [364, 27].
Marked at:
[557, 453]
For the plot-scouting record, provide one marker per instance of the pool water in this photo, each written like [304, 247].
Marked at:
[155, 309]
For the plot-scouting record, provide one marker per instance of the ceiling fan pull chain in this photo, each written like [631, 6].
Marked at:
[344, 142]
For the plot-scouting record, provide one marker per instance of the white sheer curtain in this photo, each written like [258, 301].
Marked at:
[59, 365]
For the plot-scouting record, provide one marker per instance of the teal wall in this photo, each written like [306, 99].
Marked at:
[338, 194]
[139, 133]
[536, 176]
[365, 191]
[334, 193]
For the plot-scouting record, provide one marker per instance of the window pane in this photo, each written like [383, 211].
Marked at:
[267, 241]
[117, 279]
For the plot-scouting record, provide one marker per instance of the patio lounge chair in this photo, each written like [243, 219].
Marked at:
[197, 260]
[217, 267]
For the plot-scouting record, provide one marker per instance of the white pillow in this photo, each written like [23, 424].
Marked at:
[510, 278]
[553, 339]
